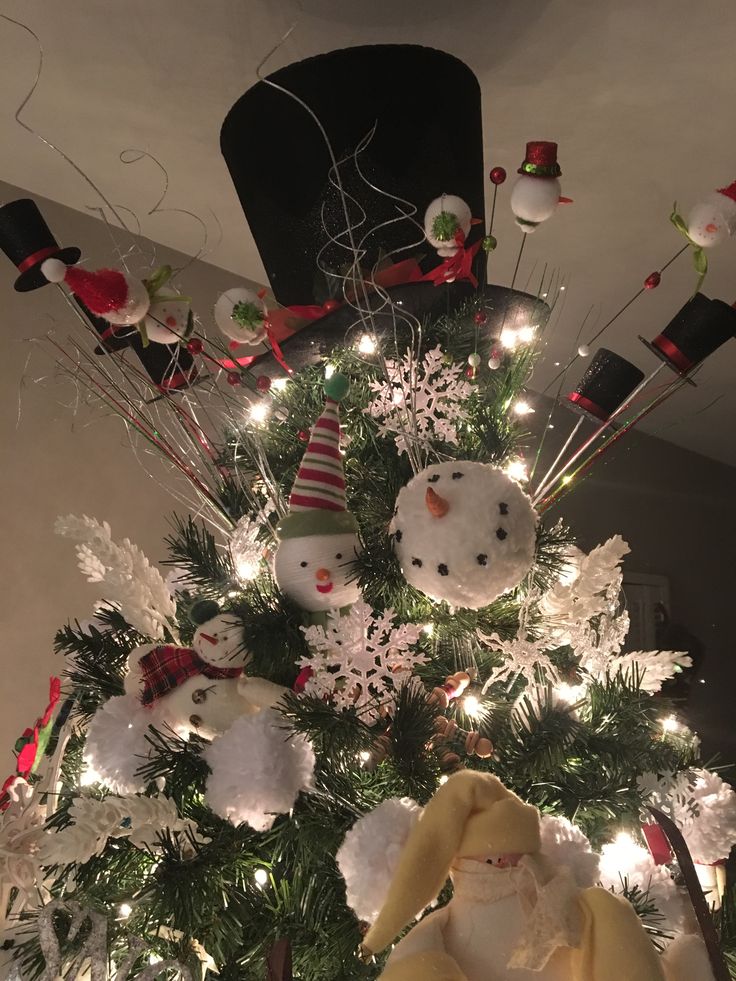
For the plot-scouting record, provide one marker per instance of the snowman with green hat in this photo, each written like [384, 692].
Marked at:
[318, 538]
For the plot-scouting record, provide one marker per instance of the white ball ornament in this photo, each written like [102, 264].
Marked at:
[584, 351]
[443, 218]
[534, 200]
[116, 745]
[240, 314]
[167, 320]
[258, 770]
[464, 533]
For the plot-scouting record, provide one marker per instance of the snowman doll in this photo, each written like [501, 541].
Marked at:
[514, 913]
[240, 315]
[169, 318]
[447, 219]
[318, 538]
[714, 219]
[536, 193]
[464, 533]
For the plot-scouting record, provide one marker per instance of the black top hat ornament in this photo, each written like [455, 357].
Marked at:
[425, 106]
[608, 381]
[697, 330]
[26, 240]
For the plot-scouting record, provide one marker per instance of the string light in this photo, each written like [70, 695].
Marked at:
[509, 338]
[89, 775]
[516, 470]
[569, 693]
[526, 334]
[329, 370]
[259, 412]
[471, 705]
[428, 629]
[443, 779]
[522, 408]
[280, 383]
[261, 877]
[670, 724]
[364, 756]
[367, 345]
[125, 909]
[567, 479]
[154, 959]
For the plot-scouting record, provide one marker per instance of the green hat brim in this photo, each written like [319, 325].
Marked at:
[317, 521]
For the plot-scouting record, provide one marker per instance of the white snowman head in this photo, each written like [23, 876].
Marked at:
[713, 220]
[444, 217]
[218, 639]
[240, 314]
[314, 570]
[534, 200]
[464, 532]
[168, 318]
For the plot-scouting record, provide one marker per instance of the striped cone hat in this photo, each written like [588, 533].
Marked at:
[317, 505]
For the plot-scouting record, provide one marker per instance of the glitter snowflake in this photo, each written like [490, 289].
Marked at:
[420, 401]
[524, 658]
[360, 659]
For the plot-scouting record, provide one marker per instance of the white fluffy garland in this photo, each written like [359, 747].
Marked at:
[116, 745]
[259, 768]
[370, 852]
[127, 575]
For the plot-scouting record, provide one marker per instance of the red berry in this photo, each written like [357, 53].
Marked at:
[329, 305]
[480, 317]
[263, 383]
[303, 435]
[470, 372]
[233, 377]
[195, 346]
[652, 281]
[497, 175]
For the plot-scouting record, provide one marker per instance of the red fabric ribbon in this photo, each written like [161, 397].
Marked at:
[458, 266]
[35, 257]
[671, 351]
[591, 407]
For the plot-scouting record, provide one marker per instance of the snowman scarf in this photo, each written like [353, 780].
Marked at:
[166, 667]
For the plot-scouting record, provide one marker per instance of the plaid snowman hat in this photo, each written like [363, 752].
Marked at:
[317, 504]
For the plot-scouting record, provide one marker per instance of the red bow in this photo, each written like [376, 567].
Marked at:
[458, 266]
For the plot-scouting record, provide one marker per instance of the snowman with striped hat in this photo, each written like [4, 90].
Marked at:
[318, 538]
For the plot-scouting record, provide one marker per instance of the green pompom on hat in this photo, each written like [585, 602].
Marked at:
[317, 505]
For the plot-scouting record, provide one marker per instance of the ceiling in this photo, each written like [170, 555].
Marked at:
[639, 97]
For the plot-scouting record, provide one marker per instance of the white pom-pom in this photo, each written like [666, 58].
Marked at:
[258, 769]
[54, 270]
[565, 844]
[686, 959]
[534, 200]
[116, 745]
[584, 351]
[368, 856]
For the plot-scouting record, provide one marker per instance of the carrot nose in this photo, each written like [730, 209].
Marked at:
[711, 228]
[212, 640]
[436, 505]
[322, 575]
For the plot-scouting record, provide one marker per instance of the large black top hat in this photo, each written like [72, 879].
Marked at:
[696, 330]
[428, 140]
[608, 381]
[26, 240]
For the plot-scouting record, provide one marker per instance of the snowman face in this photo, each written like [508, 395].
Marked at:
[535, 199]
[220, 641]
[706, 225]
[314, 570]
[167, 320]
[464, 532]
[207, 706]
[233, 330]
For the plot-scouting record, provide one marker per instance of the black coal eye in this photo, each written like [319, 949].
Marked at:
[303, 565]
[339, 555]
[503, 508]
[398, 535]
[433, 479]
[417, 563]
[501, 534]
[199, 696]
[482, 559]
[457, 475]
[443, 570]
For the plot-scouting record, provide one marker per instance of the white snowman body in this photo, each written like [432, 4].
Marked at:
[451, 204]
[534, 200]
[313, 570]
[712, 221]
[464, 532]
[168, 319]
[234, 331]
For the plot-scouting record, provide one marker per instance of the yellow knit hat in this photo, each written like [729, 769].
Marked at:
[472, 814]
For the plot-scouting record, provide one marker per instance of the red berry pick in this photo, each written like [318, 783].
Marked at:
[233, 377]
[194, 346]
[303, 435]
[263, 383]
[480, 317]
[497, 175]
[652, 281]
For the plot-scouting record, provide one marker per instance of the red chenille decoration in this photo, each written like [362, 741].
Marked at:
[101, 292]
[659, 847]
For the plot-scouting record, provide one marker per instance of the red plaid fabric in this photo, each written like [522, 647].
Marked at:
[166, 667]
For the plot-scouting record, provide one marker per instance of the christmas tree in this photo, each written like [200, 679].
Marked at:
[372, 607]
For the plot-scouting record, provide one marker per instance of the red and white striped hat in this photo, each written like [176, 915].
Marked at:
[317, 503]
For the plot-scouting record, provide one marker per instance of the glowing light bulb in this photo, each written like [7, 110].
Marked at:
[89, 774]
[443, 779]
[154, 959]
[259, 413]
[569, 693]
[471, 705]
[329, 370]
[367, 345]
[509, 338]
[516, 470]
[280, 383]
[125, 909]
[261, 877]
[563, 287]
[567, 479]
[428, 629]
[364, 756]
[397, 395]
[522, 408]
[526, 334]
[670, 724]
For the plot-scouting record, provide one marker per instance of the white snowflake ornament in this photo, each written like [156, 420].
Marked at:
[360, 659]
[421, 402]
[464, 532]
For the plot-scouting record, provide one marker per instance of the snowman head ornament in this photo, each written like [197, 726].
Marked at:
[318, 538]
[464, 532]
